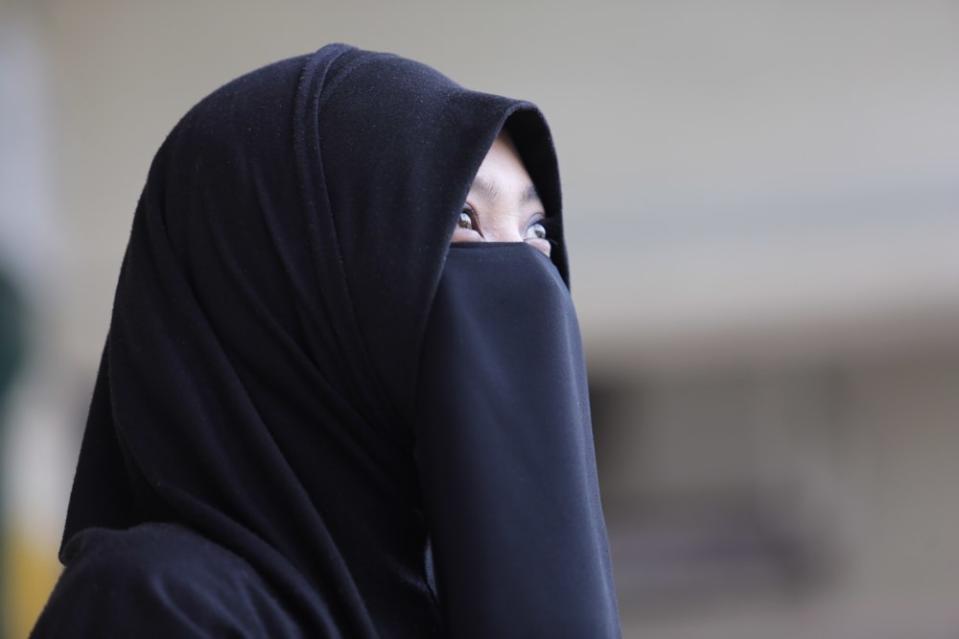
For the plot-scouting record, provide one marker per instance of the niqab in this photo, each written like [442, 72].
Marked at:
[313, 416]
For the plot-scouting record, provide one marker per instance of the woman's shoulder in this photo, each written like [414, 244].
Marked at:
[157, 579]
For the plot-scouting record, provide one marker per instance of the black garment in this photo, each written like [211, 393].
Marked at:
[307, 398]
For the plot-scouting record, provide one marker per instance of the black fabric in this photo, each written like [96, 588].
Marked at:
[264, 454]
[505, 452]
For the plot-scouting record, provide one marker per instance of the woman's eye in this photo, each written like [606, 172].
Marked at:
[536, 231]
[466, 220]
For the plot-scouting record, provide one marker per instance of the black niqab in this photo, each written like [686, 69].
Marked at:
[313, 416]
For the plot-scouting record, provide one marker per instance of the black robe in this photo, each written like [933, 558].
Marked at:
[313, 416]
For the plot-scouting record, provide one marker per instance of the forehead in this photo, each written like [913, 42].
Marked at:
[493, 189]
[503, 171]
[503, 151]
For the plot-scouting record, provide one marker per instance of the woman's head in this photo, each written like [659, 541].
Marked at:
[302, 367]
[267, 327]
[503, 204]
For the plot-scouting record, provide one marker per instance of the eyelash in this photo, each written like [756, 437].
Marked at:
[472, 214]
[547, 222]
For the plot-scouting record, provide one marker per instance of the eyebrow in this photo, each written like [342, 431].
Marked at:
[489, 189]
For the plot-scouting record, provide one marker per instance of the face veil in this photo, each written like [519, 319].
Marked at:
[312, 415]
[504, 447]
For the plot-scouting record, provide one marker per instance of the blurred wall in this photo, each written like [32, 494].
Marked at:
[761, 205]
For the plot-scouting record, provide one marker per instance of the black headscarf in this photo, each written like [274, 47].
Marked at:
[312, 416]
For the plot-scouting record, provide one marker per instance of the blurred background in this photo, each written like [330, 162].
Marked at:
[761, 200]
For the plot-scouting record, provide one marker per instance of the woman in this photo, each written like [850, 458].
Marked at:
[342, 392]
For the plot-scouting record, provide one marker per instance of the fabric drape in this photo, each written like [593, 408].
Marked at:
[256, 457]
